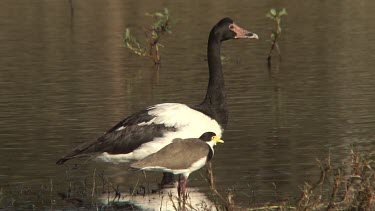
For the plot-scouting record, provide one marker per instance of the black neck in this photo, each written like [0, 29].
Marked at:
[214, 104]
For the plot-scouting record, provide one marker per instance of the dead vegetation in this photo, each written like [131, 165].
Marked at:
[348, 185]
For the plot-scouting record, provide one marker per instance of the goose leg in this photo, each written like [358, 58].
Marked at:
[179, 186]
[184, 195]
[179, 191]
[168, 180]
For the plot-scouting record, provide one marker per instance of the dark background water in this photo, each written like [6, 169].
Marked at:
[66, 78]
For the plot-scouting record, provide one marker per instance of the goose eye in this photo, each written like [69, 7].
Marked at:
[231, 26]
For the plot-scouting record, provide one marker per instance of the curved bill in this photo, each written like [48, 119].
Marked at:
[242, 33]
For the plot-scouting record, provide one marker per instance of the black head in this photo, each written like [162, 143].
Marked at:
[210, 138]
[207, 136]
[226, 29]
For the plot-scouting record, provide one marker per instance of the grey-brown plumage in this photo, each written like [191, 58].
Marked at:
[182, 156]
[178, 155]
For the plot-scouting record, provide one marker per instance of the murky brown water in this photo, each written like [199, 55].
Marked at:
[65, 78]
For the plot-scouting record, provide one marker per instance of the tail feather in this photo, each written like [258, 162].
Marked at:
[61, 161]
[138, 165]
[134, 166]
[85, 149]
[68, 157]
[132, 169]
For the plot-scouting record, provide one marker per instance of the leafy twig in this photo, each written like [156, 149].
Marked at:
[153, 35]
[275, 15]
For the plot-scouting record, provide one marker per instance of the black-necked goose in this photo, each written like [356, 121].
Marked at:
[149, 130]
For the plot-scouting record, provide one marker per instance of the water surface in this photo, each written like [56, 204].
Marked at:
[65, 78]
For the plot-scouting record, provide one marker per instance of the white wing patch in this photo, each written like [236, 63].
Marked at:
[189, 123]
[147, 123]
[120, 128]
[180, 115]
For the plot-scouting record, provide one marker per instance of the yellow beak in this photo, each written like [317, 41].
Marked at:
[217, 140]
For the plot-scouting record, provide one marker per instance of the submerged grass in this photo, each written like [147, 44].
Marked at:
[348, 185]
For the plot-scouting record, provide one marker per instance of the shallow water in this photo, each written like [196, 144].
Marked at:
[65, 78]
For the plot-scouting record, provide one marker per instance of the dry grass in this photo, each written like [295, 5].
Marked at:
[351, 185]
[348, 185]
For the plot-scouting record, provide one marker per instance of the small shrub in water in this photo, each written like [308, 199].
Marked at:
[153, 34]
[275, 15]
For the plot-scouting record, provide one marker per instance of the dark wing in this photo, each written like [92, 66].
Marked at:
[179, 154]
[123, 138]
[135, 119]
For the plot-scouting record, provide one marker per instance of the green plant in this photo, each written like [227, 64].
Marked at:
[275, 15]
[153, 34]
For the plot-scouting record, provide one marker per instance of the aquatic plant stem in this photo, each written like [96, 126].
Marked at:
[210, 178]
[273, 46]
[93, 187]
